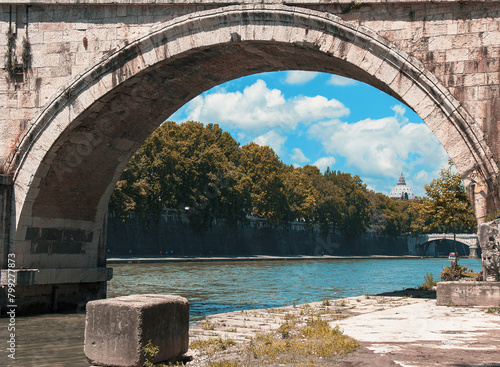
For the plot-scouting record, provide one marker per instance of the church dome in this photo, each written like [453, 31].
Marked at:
[401, 190]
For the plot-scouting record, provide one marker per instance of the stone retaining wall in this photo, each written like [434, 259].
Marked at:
[484, 294]
[173, 233]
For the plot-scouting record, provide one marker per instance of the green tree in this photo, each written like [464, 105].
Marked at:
[356, 214]
[446, 205]
[301, 195]
[185, 166]
[389, 216]
[268, 188]
[330, 201]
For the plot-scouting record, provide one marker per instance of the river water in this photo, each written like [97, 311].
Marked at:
[216, 287]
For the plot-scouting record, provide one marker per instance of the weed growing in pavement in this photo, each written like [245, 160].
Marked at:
[315, 339]
[207, 325]
[341, 303]
[224, 364]
[494, 310]
[151, 351]
[212, 345]
[286, 329]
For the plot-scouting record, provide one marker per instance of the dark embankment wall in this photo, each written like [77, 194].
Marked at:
[173, 233]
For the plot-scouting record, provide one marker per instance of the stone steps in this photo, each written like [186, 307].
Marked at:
[241, 326]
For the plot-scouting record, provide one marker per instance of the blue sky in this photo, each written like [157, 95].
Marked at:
[327, 121]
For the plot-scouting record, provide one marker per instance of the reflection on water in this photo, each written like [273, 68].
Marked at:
[215, 287]
[46, 340]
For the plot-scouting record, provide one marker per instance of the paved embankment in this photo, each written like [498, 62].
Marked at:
[393, 331]
[155, 259]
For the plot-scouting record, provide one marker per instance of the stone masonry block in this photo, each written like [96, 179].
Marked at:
[484, 294]
[117, 329]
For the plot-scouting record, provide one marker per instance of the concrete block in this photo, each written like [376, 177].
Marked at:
[485, 294]
[117, 329]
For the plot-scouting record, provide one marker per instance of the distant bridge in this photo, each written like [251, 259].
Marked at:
[471, 240]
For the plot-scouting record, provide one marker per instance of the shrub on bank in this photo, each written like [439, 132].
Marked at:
[456, 272]
[429, 283]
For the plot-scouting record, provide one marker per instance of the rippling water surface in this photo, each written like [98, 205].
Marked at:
[216, 287]
[228, 286]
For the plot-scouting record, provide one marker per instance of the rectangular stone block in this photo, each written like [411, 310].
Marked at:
[117, 329]
[485, 294]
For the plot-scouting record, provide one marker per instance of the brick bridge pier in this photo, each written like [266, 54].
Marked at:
[83, 83]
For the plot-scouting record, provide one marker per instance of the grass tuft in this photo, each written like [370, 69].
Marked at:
[212, 345]
[224, 364]
[207, 325]
[494, 310]
[316, 339]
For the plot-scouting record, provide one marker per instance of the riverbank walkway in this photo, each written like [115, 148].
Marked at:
[161, 259]
[396, 329]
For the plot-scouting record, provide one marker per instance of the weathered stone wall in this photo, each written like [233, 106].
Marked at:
[5, 214]
[49, 298]
[173, 233]
[65, 42]
[483, 294]
[458, 42]
[489, 240]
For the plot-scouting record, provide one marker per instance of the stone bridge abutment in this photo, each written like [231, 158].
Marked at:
[84, 84]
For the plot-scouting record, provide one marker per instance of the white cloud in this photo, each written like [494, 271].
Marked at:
[273, 140]
[259, 108]
[340, 81]
[299, 77]
[423, 176]
[399, 109]
[318, 108]
[298, 156]
[381, 148]
[324, 162]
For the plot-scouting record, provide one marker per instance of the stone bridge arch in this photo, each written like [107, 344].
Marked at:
[69, 161]
[423, 241]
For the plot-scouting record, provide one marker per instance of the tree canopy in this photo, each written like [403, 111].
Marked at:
[202, 172]
[446, 206]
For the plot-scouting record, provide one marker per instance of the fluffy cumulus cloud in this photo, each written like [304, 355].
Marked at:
[399, 110]
[324, 162]
[384, 147]
[378, 150]
[259, 108]
[299, 77]
[272, 139]
[340, 81]
[298, 156]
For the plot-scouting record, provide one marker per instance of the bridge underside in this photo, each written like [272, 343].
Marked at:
[442, 248]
